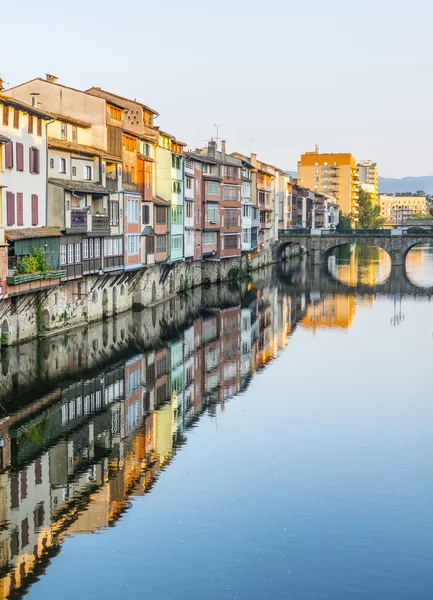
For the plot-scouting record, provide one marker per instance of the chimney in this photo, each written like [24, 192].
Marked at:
[317, 148]
[211, 149]
[223, 149]
[51, 78]
[254, 159]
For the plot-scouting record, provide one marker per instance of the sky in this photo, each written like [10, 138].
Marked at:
[280, 76]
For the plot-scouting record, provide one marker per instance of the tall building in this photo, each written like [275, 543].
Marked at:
[369, 178]
[334, 174]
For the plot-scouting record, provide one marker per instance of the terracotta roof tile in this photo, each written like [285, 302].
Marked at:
[3, 139]
[79, 148]
[72, 121]
[31, 232]
[80, 186]
[25, 107]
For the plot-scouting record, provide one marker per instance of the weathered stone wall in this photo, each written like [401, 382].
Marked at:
[95, 298]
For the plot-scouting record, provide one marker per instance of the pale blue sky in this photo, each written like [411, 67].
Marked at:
[351, 76]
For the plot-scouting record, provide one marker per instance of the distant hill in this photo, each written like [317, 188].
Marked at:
[388, 185]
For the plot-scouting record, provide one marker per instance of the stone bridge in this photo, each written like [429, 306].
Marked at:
[319, 243]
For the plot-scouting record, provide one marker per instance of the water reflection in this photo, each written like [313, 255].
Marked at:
[90, 419]
[419, 266]
[356, 265]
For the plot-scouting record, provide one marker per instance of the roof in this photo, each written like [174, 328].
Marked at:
[148, 230]
[160, 201]
[72, 121]
[120, 100]
[79, 148]
[32, 110]
[171, 137]
[79, 186]
[3, 139]
[31, 232]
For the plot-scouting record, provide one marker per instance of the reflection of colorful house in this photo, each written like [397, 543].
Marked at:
[331, 311]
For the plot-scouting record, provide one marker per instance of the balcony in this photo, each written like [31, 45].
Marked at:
[78, 220]
[101, 224]
[112, 185]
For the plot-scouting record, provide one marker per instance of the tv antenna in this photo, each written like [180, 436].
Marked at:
[217, 127]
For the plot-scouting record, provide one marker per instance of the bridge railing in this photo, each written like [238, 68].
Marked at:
[303, 231]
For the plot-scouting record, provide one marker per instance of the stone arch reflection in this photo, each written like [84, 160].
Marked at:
[419, 265]
[358, 265]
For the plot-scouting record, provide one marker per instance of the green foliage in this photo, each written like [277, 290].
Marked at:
[431, 211]
[369, 213]
[240, 273]
[344, 222]
[33, 263]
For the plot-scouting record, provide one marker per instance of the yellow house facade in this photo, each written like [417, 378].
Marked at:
[395, 209]
[333, 174]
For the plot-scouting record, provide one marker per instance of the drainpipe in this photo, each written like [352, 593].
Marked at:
[46, 169]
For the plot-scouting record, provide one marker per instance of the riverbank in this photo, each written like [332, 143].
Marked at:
[75, 304]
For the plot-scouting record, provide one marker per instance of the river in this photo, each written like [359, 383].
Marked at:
[266, 440]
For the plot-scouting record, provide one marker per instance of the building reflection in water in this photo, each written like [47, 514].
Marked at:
[91, 418]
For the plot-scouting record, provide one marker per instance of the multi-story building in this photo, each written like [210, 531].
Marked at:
[222, 196]
[283, 199]
[265, 180]
[190, 203]
[23, 182]
[369, 178]
[334, 174]
[396, 209]
[169, 187]
[250, 212]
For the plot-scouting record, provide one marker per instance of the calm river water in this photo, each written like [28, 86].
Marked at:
[269, 441]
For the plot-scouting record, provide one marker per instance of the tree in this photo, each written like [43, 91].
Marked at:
[368, 213]
[344, 222]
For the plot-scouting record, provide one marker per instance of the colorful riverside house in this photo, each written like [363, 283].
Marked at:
[189, 217]
[23, 183]
[137, 142]
[84, 178]
[169, 187]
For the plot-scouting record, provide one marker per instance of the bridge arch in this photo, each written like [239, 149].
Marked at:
[279, 254]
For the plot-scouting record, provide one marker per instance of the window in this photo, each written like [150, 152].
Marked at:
[35, 209]
[232, 171]
[63, 254]
[212, 214]
[146, 214]
[207, 169]
[197, 216]
[108, 247]
[213, 188]
[20, 156]
[70, 253]
[77, 253]
[30, 124]
[209, 238]
[114, 213]
[64, 131]
[16, 118]
[87, 172]
[246, 211]
[10, 208]
[85, 248]
[62, 165]
[9, 155]
[39, 127]
[34, 160]
[246, 190]
[74, 133]
[177, 215]
[5, 115]
[177, 187]
[230, 193]
[177, 242]
[161, 243]
[190, 210]
[231, 218]
[197, 187]
[91, 251]
[150, 244]
[20, 215]
[325, 163]
[115, 113]
[161, 215]
[133, 245]
[189, 185]
[317, 164]
[132, 211]
[230, 242]
[129, 143]
[97, 247]
[246, 236]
